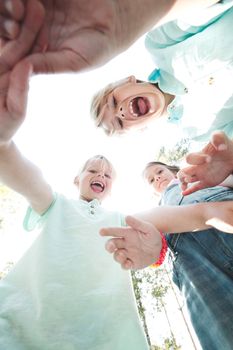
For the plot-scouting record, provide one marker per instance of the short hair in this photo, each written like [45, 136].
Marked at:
[99, 97]
[97, 157]
[173, 168]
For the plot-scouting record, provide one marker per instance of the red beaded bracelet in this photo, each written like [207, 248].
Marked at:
[162, 254]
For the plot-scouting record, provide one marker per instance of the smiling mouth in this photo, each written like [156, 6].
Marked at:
[139, 106]
[97, 186]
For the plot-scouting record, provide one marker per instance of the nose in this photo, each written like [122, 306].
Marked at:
[101, 174]
[157, 178]
[121, 113]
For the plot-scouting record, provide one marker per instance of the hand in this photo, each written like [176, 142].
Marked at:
[81, 34]
[210, 167]
[136, 246]
[13, 100]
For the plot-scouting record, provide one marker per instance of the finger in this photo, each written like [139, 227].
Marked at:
[128, 265]
[191, 189]
[113, 231]
[114, 243]
[18, 90]
[183, 186]
[120, 256]
[16, 49]
[9, 29]
[197, 158]
[219, 140]
[13, 9]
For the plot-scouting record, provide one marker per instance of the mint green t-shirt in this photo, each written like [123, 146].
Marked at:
[66, 292]
[193, 57]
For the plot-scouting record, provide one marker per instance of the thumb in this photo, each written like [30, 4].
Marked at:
[139, 225]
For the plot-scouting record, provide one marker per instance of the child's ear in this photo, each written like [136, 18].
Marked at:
[76, 180]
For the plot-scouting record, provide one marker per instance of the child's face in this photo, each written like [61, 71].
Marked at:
[95, 181]
[131, 106]
[158, 176]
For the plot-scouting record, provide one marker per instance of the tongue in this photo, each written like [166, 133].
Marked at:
[142, 106]
[96, 188]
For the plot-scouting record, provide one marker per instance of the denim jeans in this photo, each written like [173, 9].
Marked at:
[203, 271]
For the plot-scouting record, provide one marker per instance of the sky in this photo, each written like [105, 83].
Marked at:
[59, 136]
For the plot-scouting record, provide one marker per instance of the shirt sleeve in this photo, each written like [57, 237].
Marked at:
[34, 220]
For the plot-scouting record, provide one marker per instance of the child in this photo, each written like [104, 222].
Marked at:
[65, 292]
[66, 282]
[191, 85]
[202, 261]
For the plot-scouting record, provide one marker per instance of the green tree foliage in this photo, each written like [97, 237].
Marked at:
[10, 204]
[174, 155]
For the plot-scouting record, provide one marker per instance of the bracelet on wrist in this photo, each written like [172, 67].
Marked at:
[162, 254]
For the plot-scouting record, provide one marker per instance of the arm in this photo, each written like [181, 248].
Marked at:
[193, 217]
[24, 177]
[79, 35]
[15, 171]
[139, 244]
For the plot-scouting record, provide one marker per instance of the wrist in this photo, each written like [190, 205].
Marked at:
[163, 252]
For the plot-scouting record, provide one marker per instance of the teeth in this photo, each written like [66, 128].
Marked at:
[131, 110]
[98, 183]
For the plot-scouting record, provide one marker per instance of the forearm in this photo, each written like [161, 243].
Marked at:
[193, 217]
[138, 16]
[24, 177]
[174, 219]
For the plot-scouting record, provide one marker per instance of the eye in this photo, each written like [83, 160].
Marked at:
[92, 171]
[120, 123]
[114, 101]
[108, 176]
[151, 180]
[160, 172]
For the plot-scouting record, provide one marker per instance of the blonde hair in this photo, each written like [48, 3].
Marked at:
[98, 157]
[97, 103]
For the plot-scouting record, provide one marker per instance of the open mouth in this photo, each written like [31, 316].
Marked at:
[139, 106]
[97, 186]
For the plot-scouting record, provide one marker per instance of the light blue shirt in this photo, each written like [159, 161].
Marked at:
[67, 292]
[194, 60]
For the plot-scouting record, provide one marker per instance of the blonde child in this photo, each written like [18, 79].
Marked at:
[191, 85]
[65, 292]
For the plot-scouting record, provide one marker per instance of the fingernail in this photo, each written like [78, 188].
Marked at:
[110, 247]
[9, 26]
[9, 6]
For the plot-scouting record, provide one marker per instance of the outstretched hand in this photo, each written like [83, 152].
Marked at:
[136, 246]
[78, 35]
[209, 167]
